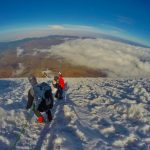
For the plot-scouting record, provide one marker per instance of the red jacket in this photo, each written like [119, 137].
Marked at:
[61, 82]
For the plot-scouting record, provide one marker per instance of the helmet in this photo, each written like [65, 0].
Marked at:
[32, 79]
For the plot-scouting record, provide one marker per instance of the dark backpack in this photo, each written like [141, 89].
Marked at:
[47, 97]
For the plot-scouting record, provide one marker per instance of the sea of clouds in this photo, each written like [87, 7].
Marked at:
[19, 51]
[115, 58]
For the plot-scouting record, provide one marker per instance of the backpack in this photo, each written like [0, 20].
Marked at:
[46, 95]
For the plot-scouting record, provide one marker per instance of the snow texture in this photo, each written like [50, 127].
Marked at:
[97, 114]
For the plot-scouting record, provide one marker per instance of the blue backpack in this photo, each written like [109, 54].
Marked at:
[46, 95]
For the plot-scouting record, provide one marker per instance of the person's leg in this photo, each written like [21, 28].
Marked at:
[60, 93]
[30, 100]
[39, 116]
[57, 94]
[30, 104]
[49, 115]
[37, 113]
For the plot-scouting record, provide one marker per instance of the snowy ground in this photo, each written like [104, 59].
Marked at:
[97, 114]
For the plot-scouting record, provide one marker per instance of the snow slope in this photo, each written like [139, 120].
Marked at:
[97, 114]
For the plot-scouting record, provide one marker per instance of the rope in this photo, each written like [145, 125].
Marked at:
[13, 146]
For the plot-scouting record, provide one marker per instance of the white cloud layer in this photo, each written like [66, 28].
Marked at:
[117, 59]
[20, 69]
[19, 51]
[56, 27]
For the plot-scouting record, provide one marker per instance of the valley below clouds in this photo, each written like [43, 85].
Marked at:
[75, 57]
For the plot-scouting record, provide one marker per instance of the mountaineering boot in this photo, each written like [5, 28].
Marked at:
[40, 119]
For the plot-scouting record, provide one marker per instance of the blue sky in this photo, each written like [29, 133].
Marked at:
[125, 18]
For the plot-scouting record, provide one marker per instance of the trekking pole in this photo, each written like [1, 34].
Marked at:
[59, 66]
[65, 96]
[11, 87]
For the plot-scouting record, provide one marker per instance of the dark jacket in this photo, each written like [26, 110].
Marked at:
[43, 104]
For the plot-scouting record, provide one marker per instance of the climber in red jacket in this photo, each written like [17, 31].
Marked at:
[61, 80]
[59, 84]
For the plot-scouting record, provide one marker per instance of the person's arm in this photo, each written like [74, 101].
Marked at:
[37, 96]
[30, 99]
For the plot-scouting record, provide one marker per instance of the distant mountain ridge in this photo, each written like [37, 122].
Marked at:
[58, 39]
[36, 42]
